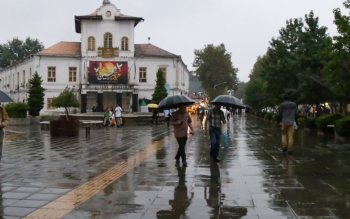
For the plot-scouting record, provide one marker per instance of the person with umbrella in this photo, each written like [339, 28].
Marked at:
[181, 120]
[214, 118]
[3, 123]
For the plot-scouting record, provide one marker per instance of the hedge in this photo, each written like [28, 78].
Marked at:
[269, 115]
[323, 121]
[17, 110]
[342, 126]
[310, 123]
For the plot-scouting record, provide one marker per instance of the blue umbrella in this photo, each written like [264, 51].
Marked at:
[4, 97]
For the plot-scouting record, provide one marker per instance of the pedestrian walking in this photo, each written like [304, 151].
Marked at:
[288, 111]
[155, 114]
[167, 114]
[3, 123]
[215, 118]
[106, 117]
[181, 120]
[118, 113]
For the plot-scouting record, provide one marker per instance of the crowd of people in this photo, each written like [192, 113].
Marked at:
[112, 116]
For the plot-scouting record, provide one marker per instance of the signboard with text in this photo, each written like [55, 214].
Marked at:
[108, 72]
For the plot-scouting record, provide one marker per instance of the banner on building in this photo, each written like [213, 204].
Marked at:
[108, 72]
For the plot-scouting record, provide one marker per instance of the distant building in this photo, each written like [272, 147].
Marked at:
[195, 90]
[106, 67]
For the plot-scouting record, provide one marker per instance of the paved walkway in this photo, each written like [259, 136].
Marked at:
[129, 173]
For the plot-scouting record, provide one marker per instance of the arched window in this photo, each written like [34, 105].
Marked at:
[125, 44]
[91, 43]
[108, 40]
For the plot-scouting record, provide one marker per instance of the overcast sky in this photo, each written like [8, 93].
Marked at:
[180, 26]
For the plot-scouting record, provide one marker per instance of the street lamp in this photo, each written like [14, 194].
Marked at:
[219, 84]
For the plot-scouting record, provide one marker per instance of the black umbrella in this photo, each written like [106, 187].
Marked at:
[4, 97]
[228, 101]
[173, 102]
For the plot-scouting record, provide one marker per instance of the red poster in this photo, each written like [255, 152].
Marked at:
[108, 72]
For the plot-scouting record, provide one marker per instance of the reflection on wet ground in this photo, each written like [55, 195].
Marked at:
[130, 173]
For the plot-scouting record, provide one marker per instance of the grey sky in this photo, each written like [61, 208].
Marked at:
[180, 27]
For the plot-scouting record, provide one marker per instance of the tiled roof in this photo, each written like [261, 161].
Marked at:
[63, 48]
[151, 50]
[74, 48]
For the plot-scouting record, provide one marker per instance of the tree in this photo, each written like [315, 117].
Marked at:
[214, 66]
[67, 98]
[311, 57]
[338, 68]
[36, 95]
[17, 50]
[160, 91]
[279, 69]
[239, 93]
[256, 94]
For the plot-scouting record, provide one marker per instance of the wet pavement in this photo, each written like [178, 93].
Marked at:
[129, 173]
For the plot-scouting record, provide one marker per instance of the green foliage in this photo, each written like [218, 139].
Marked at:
[17, 50]
[269, 115]
[36, 95]
[337, 69]
[262, 114]
[277, 117]
[312, 40]
[310, 123]
[67, 98]
[160, 91]
[279, 69]
[301, 121]
[239, 93]
[214, 66]
[323, 121]
[342, 126]
[17, 110]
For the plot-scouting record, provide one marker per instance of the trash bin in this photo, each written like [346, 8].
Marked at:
[70, 127]
[55, 128]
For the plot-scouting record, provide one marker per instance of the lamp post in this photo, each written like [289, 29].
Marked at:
[219, 84]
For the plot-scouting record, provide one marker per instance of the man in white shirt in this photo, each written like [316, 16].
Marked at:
[167, 113]
[118, 114]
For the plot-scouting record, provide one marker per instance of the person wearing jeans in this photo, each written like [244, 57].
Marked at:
[181, 120]
[215, 117]
[287, 110]
[3, 123]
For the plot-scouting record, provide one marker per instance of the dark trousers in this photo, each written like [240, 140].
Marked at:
[1, 140]
[215, 137]
[181, 150]
[167, 119]
[154, 118]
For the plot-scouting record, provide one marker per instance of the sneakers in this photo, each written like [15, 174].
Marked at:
[184, 164]
[177, 163]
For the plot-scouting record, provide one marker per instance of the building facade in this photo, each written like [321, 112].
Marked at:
[106, 68]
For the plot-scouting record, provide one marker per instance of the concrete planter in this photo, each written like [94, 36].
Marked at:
[19, 121]
[35, 120]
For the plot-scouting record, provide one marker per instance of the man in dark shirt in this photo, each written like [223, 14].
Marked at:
[288, 110]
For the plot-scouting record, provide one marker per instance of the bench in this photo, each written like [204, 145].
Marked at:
[45, 125]
[91, 123]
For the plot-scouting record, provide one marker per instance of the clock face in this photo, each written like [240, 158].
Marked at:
[108, 13]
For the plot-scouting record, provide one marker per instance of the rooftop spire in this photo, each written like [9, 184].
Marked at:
[105, 2]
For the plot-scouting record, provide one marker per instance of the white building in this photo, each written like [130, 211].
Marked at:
[106, 67]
